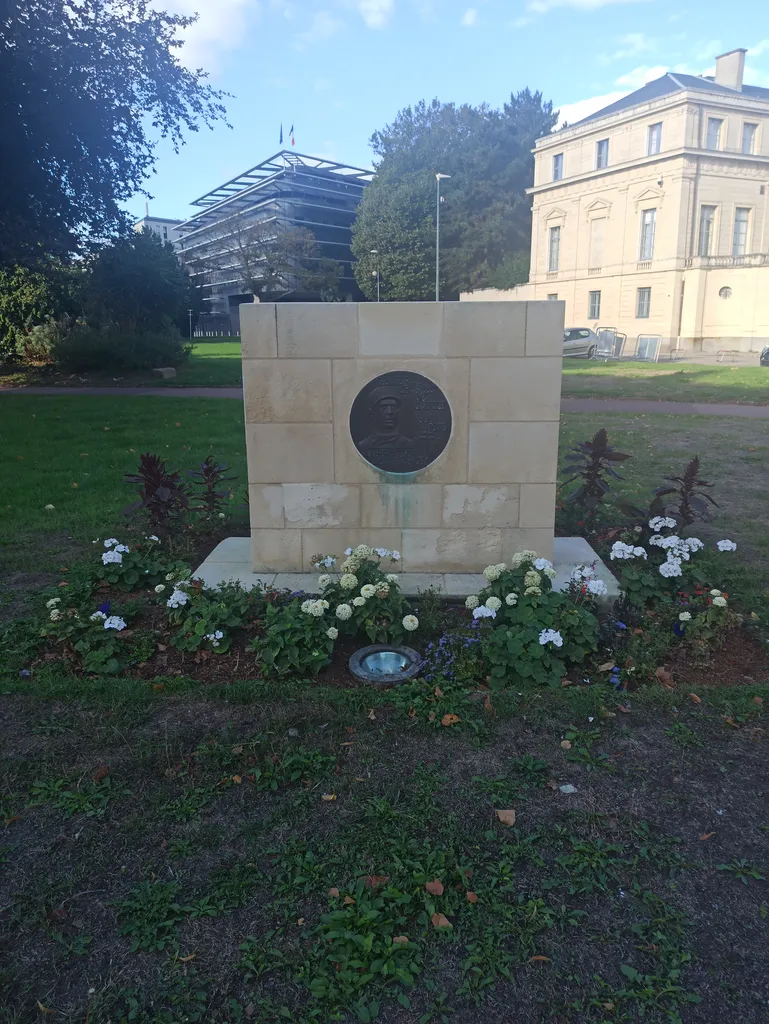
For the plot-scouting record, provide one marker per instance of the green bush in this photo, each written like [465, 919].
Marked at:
[85, 349]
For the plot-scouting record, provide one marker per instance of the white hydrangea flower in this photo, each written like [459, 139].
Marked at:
[410, 623]
[55, 614]
[349, 581]
[597, 588]
[111, 542]
[332, 632]
[472, 602]
[551, 636]
[358, 602]
[543, 563]
[382, 590]
[160, 588]
[343, 611]
[169, 576]
[726, 545]
[111, 558]
[351, 564]
[532, 578]
[323, 581]
[482, 612]
[305, 606]
[720, 602]
[53, 602]
[494, 603]
[177, 598]
[715, 593]
[363, 551]
[511, 600]
[492, 573]
[532, 592]
[367, 590]
[685, 617]
[114, 622]
[318, 609]
[517, 560]
[392, 577]
[97, 617]
[551, 573]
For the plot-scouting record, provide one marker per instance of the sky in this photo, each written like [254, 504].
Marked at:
[339, 69]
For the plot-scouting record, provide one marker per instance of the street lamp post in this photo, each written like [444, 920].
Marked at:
[438, 178]
[375, 252]
[189, 313]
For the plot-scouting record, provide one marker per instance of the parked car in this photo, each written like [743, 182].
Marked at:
[580, 341]
[764, 359]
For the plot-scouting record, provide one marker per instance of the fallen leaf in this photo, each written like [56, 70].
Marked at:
[606, 667]
[158, 686]
[374, 881]
[186, 959]
[487, 705]
[371, 715]
[506, 817]
[623, 708]
[162, 647]
[551, 784]
[62, 584]
[665, 677]
[706, 835]
[539, 959]
[333, 891]
[759, 701]
[412, 713]
[431, 717]
[695, 698]
[41, 1008]
[435, 888]
[238, 749]
[400, 939]
[472, 897]
[328, 797]
[177, 424]
[438, 691]
[566, 744]
[440, 921]
[237, 779]
[348, 900]
[359, 778]
[349, 743]
[731, 721]
[638, 631]
[450, 719]
[101, 773]
[300, 921]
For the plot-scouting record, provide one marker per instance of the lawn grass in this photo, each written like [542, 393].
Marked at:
[672, 382]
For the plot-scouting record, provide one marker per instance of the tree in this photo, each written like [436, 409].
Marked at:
[29, 298]
[486, 215]
[136, 284]
[85, 90]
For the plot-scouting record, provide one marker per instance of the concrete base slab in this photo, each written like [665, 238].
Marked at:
[230, 560]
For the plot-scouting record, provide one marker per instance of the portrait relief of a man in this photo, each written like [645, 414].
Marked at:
[385, 413]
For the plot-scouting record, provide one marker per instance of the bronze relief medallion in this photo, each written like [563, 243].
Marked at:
[400, 422]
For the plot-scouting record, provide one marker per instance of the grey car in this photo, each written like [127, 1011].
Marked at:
[580, 341]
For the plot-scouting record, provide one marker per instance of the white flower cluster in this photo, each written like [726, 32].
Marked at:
[720, 601]
[367, 590]
[551, 636]
[661, 522]
[582, 572]
[111, 557]
[726, 545]
[177, 598]
[484, 612]
[471, 602]
[597, 588]
[315, 608]
[685, 617]
[114, 622]
[358, 601]
[511, 600]
[52, 603]
[349, 581]
[160, 588]
[343, 611]
[522, 556]
[493, 572]
[382, 589]
[391, 577]
[621, 550]
[542, 564]
[214, 638]
[678, 550]
[494, 603]
[332, 632]
[357, 555]
[410, 623]
[323, 581]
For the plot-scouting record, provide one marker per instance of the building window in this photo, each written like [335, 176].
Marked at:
[553, 249]
[602, 154]
[553, 296]
[643, 301]
[597, 235]
[740, 236]
[648, 225]
[165, 234]
[725, 292]
[557, 166]
[714, 132]
[593, 305]
[707, 226]
[654, 139]
[749, 137]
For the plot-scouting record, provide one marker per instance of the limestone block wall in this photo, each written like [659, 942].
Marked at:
[490, 492]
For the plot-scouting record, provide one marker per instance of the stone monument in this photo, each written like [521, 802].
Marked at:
[430, 428]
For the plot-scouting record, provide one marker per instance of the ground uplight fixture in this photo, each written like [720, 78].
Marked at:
[385, 664]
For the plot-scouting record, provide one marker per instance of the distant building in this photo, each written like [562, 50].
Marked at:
[287, 191]
[652, 215]
[164, 227]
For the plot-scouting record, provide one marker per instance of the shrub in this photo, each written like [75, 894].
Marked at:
[590, 463]
[296, 638]
[99, 640]
[207, 617]
[86, 349]
[144, 563]
[162, 497]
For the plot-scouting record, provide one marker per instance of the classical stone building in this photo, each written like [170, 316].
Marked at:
[651, 216]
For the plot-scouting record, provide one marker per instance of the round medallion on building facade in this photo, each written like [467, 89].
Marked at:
[400, 422]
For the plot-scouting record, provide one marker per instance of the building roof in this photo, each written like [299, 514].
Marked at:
[670, 83]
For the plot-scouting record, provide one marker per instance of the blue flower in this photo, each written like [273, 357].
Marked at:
[104, 608]
[620, 625]
[25, 673]
[679, 628]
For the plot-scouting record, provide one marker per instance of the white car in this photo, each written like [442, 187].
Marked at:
[580, 341]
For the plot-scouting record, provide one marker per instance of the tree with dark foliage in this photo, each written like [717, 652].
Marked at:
[86, 90]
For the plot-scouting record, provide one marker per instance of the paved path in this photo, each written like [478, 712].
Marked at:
[626, 405]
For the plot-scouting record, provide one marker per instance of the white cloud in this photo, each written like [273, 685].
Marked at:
[222, 25]
[759, 48]
[755, 77]
[640, 76]
[543, 6]
[376, 13]
[470, 17]
[629, 45]
[324, 25]
[573, 112]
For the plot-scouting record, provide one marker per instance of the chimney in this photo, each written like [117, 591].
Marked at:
[729, 69]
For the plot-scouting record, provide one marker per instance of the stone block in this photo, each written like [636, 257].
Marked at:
[524, 452]
[290, 453]
[473, 505]
[287, 390]
[265, 506]
[544, 328]
[539, 540]
[537, 505]
[276, 550]
[232, 549]
[335, 541]
[450, 550]
[484, 329]
[396, 504]
[463, 584]
[164, 372]
[321, 505]
[515, 389]
[258, 330]
[451, 376]
[308, 330]
[400, 328]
